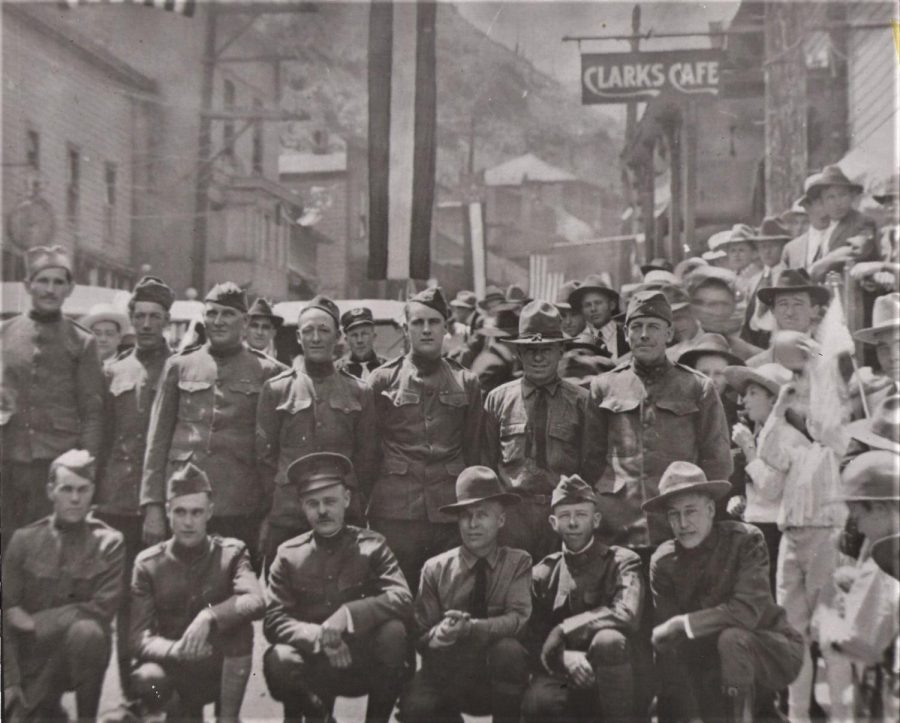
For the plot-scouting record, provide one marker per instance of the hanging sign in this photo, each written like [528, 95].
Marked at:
[626, 77]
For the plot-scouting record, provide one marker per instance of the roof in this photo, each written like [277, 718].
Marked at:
[302, 163]
[528, 167]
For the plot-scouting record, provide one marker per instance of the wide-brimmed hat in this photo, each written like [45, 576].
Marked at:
[504, 324]
[565, 291]
[465, 300]
[106, 312]
[710, 256]
[683, 478]
[478, 484]
[882, 429]
[885, 315]
[658, 278]
[596, 283]
[717, 239]
[540, 324]
[491, 293]
[740, 233]
[319, 470]
[872, 475]
[710, 344]
[515, 294]
[263, 307]
[702, 275]
[831, 176]
[769, 376]
[657, 264]
[772, 229]
[888, 190]
[797, 209]
[794, 280]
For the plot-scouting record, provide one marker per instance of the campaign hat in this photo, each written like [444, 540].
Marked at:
[684, 478]
[885, 316]
[710, 344]
[540, 324]
[263, 307]
[796, 280]
[478, 484]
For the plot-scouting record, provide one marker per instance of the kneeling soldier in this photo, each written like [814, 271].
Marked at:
[62, 583]
[719, 634]
[474, 602]
[587, 604]
[337, 604]
[193, 598]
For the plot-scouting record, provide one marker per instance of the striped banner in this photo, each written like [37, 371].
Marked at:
[543, 283]
[474, 256]
[182, 7]
[402, 148]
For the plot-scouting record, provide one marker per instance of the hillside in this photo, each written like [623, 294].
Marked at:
[517, 108]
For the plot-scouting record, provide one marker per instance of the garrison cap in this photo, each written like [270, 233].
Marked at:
[187, 480]
[154, 289]
[649, 302]
[38, 258]
[572, 490]
[319, 470]
[433, 298]
[357, 317]
[228, 294]
[263, 307]
[323, 303]
[78, 461]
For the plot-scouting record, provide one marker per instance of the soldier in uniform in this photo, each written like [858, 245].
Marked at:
[428, 417]
[205, 412]
[719, 636]
[262, 326]
[131, 382]
[51, 389]
[62, 582]
[587, 601]
[359, 328]
[472, 608]
[337, 605]
[538, 428]
[313, 407]
[193, 600]
[652, 412]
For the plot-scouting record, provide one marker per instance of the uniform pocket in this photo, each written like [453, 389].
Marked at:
[195, 399]
[454, 399]
[680, 407]
[295, 406]
[512, 441]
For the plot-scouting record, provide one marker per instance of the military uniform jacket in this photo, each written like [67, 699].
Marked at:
[299, 414]
[131, 383]
[571, 435]
[205, 412]
[59, 575]
[429, 428]
[600, 588]
[51, 389]
[170, 585]
[649, 419]
[313, 576]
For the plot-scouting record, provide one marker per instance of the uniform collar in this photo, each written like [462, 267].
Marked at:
[67, 528]
[188, 554]
[529, 388]
[425, 367]
[317, 370]
[332, 542]
[225, 353]
[649, 372]
[469, 559]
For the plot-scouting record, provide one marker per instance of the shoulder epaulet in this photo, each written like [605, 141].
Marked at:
[692, 371]
[343, 371]
[364, 533]
[151, 552]
[289, 372]
[260, 354]
[302, 539]
[551, 558]
[227, 541]
[622, 366]
[189, 349]
[43, 522]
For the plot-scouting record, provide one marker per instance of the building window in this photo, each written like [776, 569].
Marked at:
[73, 185]
[110, 175]
[257, 139]
[33, 150]
[228, 132]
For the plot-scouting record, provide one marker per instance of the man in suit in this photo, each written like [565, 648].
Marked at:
[803, 251]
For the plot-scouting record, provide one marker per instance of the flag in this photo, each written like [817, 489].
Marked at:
[829, 410]
[182, 7]
[402, 126]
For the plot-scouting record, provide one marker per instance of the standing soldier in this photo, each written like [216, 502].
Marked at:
[51, 388]
[194, 597]
[652, 412]
[131, 382]
[205, 413]
[359, 328]
[537, 429]
[337, 605]
[312, 407]
[428, 415]
[62, 582]
[262, 326]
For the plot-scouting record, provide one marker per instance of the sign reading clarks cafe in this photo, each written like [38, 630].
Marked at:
[625, 77]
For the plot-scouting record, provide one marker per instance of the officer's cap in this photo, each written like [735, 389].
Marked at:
[187, 480]
[433, 298]
[357, 317]
[323, 303]
[319, 470]
[228, 294]
[155, 290]
[77, 461]
[649, 302]
[572, 490]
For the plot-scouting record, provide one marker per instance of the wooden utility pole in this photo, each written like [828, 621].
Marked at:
[785, 103]
[631, 123]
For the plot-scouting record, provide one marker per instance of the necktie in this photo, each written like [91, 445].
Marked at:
[539, 428]
[478, 601]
